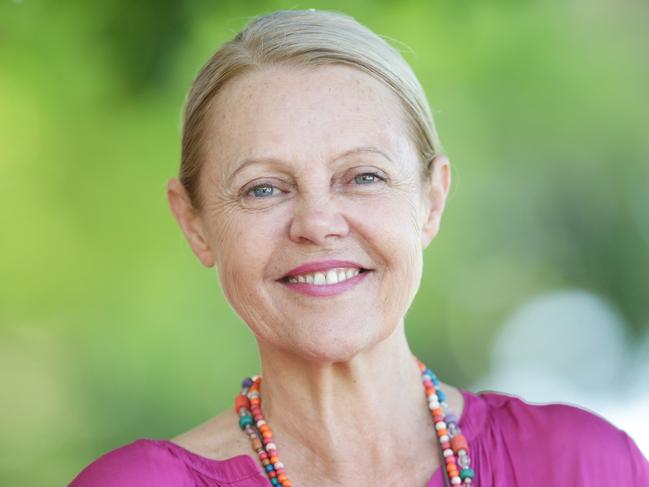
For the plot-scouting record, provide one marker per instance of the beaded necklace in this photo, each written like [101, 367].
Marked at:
[452, 443]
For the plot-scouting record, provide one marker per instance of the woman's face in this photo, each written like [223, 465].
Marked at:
[304, 168]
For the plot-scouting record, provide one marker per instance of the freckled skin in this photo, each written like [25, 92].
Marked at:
[305, 118]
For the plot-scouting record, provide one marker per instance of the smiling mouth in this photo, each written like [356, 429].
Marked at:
[325, 278]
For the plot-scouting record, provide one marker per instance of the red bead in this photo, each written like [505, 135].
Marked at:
[241, 401]
[458, 442]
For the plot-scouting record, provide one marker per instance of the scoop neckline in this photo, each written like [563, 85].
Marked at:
[252, 469]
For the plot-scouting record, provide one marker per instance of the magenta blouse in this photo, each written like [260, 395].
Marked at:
[511, 442]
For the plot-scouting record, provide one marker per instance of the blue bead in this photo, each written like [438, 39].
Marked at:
[467, 473]
[247, 382]
[440, 395]
[269, 467]
[245, 421]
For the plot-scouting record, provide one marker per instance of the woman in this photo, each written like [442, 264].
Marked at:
[313, 179]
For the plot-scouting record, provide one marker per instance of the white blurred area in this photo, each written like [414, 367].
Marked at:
[570, 346]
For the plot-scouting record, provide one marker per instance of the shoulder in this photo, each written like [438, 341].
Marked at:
[143, 462]
[583, 439]
[219, 437]
[555, 421]
[552, 419]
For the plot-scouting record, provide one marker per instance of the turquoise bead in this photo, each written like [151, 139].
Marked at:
[467, 473]
[245, 421]
[274, 481]
[432, 376]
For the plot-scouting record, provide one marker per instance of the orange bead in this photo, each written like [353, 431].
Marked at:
[458, 442]
[241, 401]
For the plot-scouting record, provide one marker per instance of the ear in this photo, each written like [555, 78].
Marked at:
[436, 187]
[189, 221]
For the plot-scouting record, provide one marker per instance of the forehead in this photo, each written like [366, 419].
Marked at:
[302, 114]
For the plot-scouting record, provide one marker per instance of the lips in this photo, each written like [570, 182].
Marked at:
[325, 267]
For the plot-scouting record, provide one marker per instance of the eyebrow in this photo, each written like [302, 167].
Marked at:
[251, 161]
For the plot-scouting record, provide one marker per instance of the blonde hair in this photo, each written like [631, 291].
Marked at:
[302, 38]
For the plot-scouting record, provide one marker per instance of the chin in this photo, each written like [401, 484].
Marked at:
[338, 347]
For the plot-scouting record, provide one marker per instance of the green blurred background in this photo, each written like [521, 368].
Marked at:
[111, 330]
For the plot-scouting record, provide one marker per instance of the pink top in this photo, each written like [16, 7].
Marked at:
[511, 443]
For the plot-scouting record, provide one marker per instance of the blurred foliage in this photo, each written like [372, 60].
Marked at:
[111, 329]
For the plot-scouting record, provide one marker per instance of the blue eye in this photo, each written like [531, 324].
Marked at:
[262, 190]
[367, 178]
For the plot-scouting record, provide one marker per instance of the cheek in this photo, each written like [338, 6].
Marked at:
[394, 232]
[243, 244]
[392, 225]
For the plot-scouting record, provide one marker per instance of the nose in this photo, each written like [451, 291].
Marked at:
[317, 220]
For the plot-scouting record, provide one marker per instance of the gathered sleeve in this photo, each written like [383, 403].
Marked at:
[138, 463]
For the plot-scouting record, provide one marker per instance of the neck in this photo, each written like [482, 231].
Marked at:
[345, 415]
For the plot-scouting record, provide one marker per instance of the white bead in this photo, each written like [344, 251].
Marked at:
[440, 426]
[279, 465]
[456, 481]
[444, 438]
[271, 446]
[448, 452]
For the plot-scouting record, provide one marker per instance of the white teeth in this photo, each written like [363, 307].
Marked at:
[332, 276]
[319, 279]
